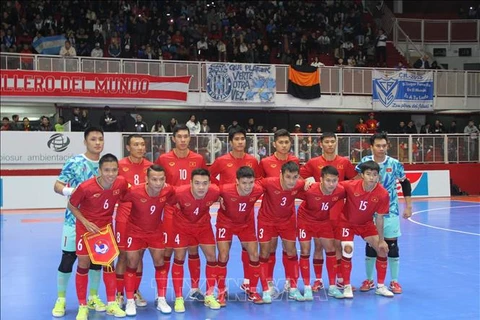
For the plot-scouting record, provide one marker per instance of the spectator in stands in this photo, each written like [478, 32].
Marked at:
[202, 48]
[204, 128]
[114, 49]
[127, 53]
[222, 51]
[171, 125]
[265, 55]
[453, 127]
[193, 124]
[45, 124]
[299, 61]
[422, 63]
[351, 62]
[316, 63]
[9, 41]
[324, 43]
[108, 121]
[251, 126]
[6, 124]
[438, 127]
[85, 119]
[297, 128]
[400, 66]
[233, 126]
[222, 129]
[426, 129]
[15, 122]
[67, 50]
[411, 128]
[402, 128]
[435, 65]
[158, 127]
[97, 52]
[140, 125]
[215, 145]
[26, 125]
[381, 48]
[59, 126]
[127, 123]
[472, 139]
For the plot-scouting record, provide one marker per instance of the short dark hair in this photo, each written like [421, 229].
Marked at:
[200, 172]
[329, 170]
[156, 168]
[179, 127]
[134, 135]
[234, 131]
[5, 118]
[91, 129]
[369, 165]
[328, 135]
[61, 117]
[107, 158]
[15, 116]
[290, 166]
[245, 172]
[378, 136]
[281, 133]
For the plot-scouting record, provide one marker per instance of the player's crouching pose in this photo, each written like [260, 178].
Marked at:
[366, 198]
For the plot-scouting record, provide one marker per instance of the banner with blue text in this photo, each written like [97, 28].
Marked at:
[240, 83]
[402, 90]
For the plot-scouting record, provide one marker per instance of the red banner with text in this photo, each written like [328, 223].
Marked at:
[92, 85]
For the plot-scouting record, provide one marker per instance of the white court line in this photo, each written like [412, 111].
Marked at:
[444, 229]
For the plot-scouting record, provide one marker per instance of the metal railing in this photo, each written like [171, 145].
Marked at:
[413, 149]
[334, 80]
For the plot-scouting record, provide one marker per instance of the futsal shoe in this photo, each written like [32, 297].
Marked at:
[334, 292]
[255, 298]
[272, 290]
[139, 301]
[82, 313]
[96, 304]
[294, 294]
[120, 299]
[196, 294]
[163, 306]
[395, 287]
[308, 294]
[179, 305]
[347, 291]
[113, 309]
[367, 285]
[266, 297]
[245, 287]
[222, 299]
[383, 291]
[318, 285]
[59, 308]
[211, 302]
[131, 308]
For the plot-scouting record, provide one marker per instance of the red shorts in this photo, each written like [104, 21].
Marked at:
[81, 248]
[168, 230]
[286, 230]
[336, 210]
[138, 239]
[194, 235]
[120, 234]
[320, 229]
[245, 233]
[346, 232]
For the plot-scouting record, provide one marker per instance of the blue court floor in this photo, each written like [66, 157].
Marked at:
[440, 273]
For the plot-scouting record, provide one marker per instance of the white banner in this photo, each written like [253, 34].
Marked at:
[429, 183]
[235, 82]
[49, 148]
[402, 90]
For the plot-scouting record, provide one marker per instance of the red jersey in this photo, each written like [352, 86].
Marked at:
[361, 128]
[226, 166]
[278, 205]
[194, 211]
[134, 174]
[146, 212]
[361, 205]
[239, 210]
[95, 203]
[372, 125]
[316, 205]
[272, 166]
[313, 168]
[179, 170]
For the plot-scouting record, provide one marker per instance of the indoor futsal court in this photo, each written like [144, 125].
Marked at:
[439, 273]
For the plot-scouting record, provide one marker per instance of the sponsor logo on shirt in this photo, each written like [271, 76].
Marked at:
[209, 203]
[356, 194]
[163, 199]
[277, 192]
[273, 165]
[171, 164]
[374, 199]
[294, 192]
[335, 199]
[340, 166]
[389, 170]
[318, 198]
[253, 199]
[229, 165]
[97, 195]
[143, 200]
[233, 199]
[188, 204]
[125, 169]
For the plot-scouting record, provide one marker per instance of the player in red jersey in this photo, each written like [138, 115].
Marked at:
[312, 169]
[226, 167]
[133, 168]
[313, 221]
[271, 167]
[236, 217]
[276, 217]
[144, 230]
[366, 198]
[192, 225]
[179, 164]
[372, 123]
[93, 203]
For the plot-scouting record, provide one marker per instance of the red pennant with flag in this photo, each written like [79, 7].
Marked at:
[102, 247]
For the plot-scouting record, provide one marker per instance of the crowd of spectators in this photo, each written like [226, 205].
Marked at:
[288, 32]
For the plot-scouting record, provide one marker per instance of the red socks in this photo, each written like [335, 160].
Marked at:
[264, 273]
[292, 268]
[194, 268]
[211, 273]
[221, 275]
[120, 283]
[254, 275]
[161, 276]
[245, 262]
[81, 284]
[305, 269]
[331, 263]
[109, 278]
[271, 265]
[177, 277]
[381, 266]
[346, 270]
[130, 282]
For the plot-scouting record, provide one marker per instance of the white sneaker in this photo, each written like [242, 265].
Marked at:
[383, 291]
[162, 305]
[286, 287]
[272, 290]
[347, 291]
[131, 308]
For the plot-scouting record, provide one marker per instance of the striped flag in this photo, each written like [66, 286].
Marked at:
[49, 45]
[304, 82]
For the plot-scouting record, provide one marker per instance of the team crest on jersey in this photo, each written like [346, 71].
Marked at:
[116, 192]
[171, 164]
[229, 165]
[273, 165]
[249, 164]
[388, 170]
[253, 199]
[125, 169]
[294, 192]
[233, 199]
[145, 170]
[209, 203]
[143, 200]
[374, 199]
[334, 198]
[163, 199]
[276, 192]
[97, 195]
[192, 164]
[340, 166]
[188, 204]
